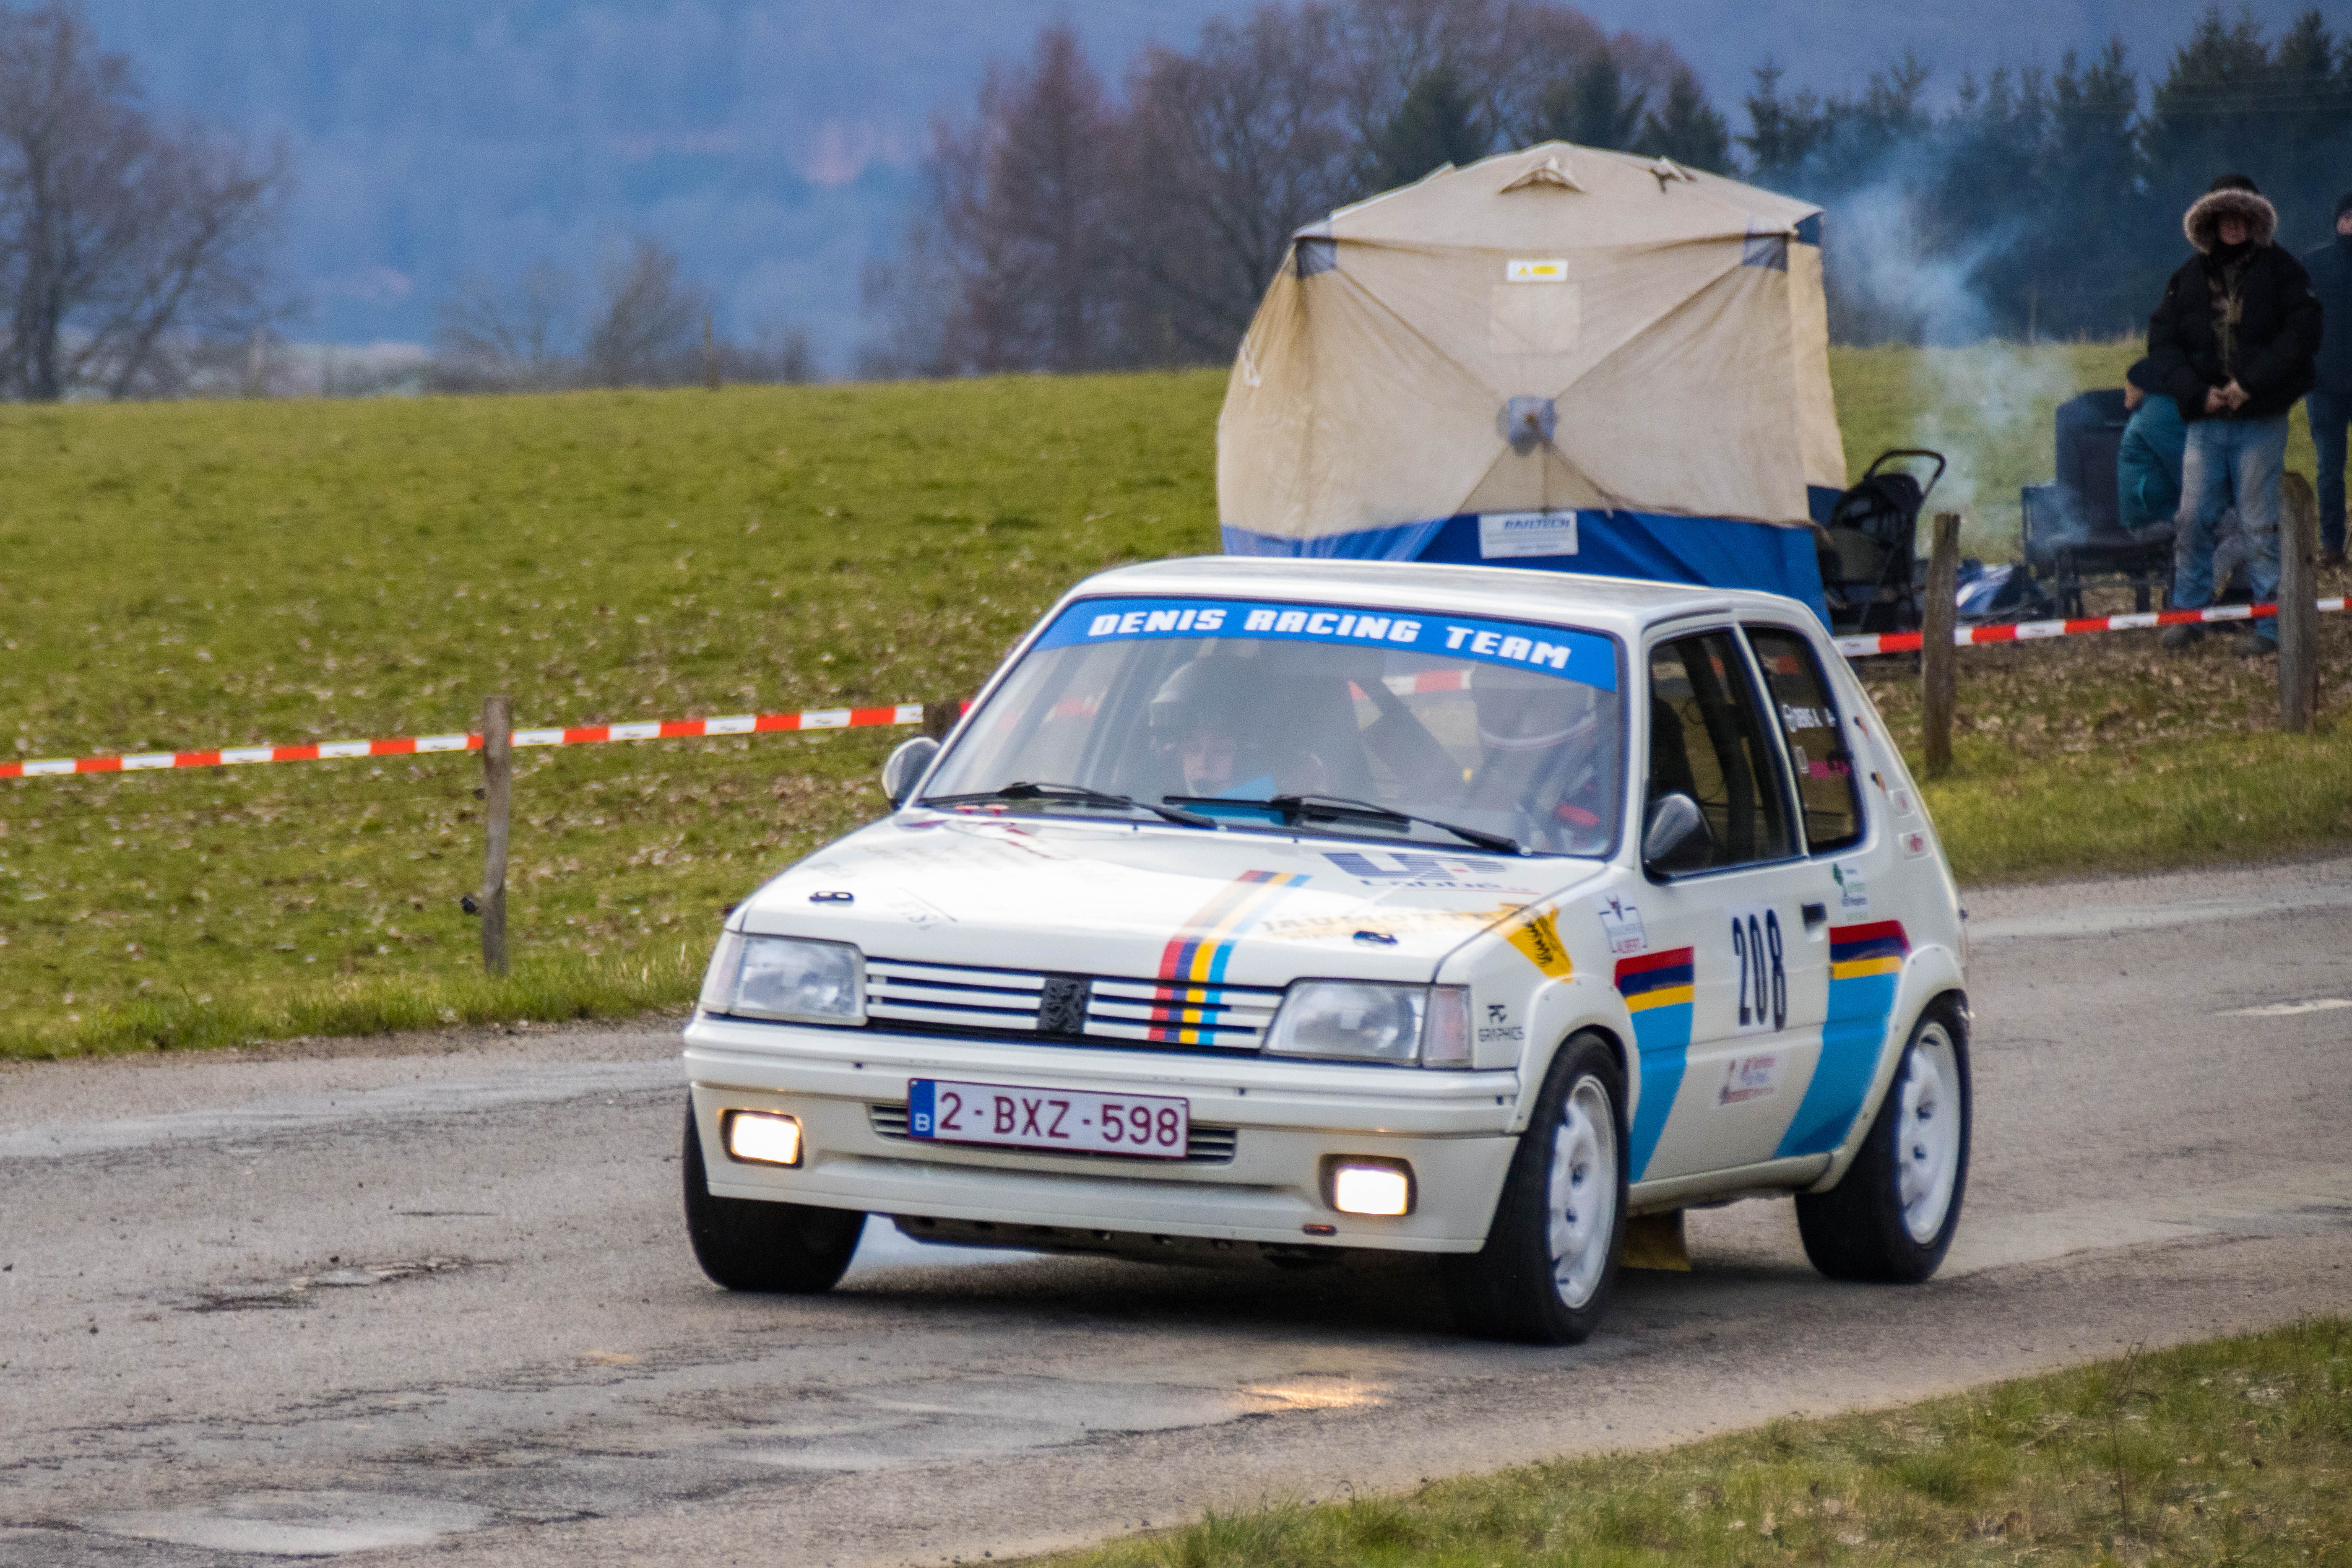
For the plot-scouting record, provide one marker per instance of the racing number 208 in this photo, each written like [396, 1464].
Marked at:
[1763, 978]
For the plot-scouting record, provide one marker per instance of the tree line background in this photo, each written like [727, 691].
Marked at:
[135, 261]
[1067, 227]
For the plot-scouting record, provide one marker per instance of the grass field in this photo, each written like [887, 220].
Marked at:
[222, 573]
[2234, 1452]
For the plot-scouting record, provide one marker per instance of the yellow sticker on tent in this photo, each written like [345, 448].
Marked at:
[1537, 936]
[1552, 271]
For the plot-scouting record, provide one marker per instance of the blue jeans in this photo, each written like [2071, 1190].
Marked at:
[2330, 414]
[2230, 462]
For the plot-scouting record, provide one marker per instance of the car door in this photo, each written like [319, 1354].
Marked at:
[1729, 992]
[1830, 1076]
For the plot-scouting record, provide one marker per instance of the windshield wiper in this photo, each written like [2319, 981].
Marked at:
[1299, 807]
[1074, 795]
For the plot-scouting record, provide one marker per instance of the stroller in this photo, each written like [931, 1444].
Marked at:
[1871, 573]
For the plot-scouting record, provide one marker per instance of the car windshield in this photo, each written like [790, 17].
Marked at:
[1369, 722]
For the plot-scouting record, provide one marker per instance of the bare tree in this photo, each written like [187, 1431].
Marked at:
[516, 340]
[647, 324]
[120, 237]
[1021, 201]
[1232, 149]
[1062, 232]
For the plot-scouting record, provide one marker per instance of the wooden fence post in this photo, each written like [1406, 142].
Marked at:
[1936, 661]
[497, 800]
[939, 718]
[2298, 613]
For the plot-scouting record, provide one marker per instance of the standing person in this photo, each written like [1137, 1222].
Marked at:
[2232, 341]
[2330, 403]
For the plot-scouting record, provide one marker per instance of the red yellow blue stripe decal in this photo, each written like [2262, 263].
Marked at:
[1866, 972]
[1877, 948]
[1197, 954]
[1658, 989]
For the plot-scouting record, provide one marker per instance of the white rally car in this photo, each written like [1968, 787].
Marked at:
[1257, 908]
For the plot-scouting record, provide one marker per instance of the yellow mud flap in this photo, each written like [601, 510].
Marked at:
[1656, 1241]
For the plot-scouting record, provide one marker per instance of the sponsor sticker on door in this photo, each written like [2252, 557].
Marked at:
[1621, 923]
[1749, 1078]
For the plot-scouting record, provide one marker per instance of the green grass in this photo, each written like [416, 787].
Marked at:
[2234, 1452]
[2102, 753]
[227, 573]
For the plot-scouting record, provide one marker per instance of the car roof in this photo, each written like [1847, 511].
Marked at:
[1621, 604]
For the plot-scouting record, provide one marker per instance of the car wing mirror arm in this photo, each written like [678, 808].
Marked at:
[906, 768]
[1674, 835]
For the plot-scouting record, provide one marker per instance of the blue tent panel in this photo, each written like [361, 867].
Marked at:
[1403, 541]
[1717, 552]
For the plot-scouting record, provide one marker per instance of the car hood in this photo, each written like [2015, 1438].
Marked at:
[1147, 900]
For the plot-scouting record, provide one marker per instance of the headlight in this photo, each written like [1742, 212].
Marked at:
[786, 977]
[1364, 1020]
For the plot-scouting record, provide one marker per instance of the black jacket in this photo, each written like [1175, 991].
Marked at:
[2278, 333]
[2331, 280]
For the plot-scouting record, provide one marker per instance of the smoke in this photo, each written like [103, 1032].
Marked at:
[1896, 275]
[1893, 278]
[1988, 408]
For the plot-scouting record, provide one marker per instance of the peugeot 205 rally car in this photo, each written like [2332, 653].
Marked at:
[1254, 909]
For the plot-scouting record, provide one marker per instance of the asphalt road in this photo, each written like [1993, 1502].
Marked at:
[431, 1296]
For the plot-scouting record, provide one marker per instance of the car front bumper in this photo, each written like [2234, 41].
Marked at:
[1284, 1117]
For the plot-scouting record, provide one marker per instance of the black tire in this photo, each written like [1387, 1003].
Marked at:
[1858, 1230]
[1511, 1289]
[743, 1244]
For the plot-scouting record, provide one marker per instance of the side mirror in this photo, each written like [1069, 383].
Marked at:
[907, 767]
[1675, 837]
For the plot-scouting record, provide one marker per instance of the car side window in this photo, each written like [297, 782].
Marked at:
[1708, 742]
[1816, 738]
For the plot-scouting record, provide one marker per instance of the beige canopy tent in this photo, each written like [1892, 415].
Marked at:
[1561, 357]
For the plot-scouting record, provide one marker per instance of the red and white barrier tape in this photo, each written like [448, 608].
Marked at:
[912, 712]
[411, 745]
[2029, 631]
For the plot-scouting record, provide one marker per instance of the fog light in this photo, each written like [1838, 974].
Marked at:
[762, 1138]
[1372, 1187]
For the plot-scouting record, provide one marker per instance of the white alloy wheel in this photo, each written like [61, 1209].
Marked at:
[1927, 1137]
[1580, 1202]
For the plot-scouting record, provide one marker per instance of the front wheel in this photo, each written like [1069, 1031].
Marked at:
[1890, 1220]
[1551, 1257]
[748, 1245]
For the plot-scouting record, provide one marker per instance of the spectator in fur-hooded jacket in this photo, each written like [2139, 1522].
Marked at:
[2232, 343]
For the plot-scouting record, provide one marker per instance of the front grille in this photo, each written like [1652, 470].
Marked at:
[1203, 1145]
[1105, 1008]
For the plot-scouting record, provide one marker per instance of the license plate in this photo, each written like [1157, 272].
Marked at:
[1013, 1117]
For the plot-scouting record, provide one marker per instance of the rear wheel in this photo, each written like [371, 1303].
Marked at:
[1891, 1219]
[748, 1245]
[1550, 1259]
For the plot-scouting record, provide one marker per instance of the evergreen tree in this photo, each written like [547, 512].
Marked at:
[1785, 131]
[1437, 124]
[1595, 107]
[1689, 131]
[2094, 271]
[2232, 103]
